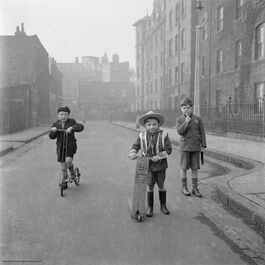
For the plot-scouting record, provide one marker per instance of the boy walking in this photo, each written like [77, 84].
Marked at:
[66, 153]
[193, 141]
[153, 143]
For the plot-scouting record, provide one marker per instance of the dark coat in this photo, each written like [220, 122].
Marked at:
[71, 143]
[192, 135]
[162, 164]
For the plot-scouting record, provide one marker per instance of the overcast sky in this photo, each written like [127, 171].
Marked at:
[70, 28]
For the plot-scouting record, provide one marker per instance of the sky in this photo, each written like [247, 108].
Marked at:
[71, 28]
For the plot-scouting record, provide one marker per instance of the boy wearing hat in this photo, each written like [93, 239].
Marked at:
[193, 141]
[153, 143]
[65, 154]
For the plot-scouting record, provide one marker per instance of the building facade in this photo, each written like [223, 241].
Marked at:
[24, 67]
[165, 55]
[114, 71]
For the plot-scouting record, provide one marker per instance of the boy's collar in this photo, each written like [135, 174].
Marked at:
[159, 130]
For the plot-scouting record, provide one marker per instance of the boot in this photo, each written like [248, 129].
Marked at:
[150, 203]
[72, 173]
[195, 190]
[185, 190]
[163, 198]
[64, 173]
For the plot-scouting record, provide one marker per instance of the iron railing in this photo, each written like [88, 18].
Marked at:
[245, 118]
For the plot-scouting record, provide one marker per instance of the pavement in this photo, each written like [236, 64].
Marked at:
[245, 192]
[10, 142]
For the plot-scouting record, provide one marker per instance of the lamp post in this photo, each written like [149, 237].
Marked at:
[197, 72]
[197, 92]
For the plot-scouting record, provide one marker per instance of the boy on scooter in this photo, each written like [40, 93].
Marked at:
[65, 149]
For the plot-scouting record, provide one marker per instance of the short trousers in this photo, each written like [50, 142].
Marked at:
[156, 177]
[190, 160]
[61, 154]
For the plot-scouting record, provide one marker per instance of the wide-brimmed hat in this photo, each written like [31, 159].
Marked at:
[150, 115]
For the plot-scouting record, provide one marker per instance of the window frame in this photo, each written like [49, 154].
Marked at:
[261, 43]
[220, 20]
[219, 63]
[183, 39]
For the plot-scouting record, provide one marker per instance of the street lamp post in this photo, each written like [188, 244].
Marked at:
[197, 72]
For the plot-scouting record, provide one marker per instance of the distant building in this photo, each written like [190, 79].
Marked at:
[114, 71]
[91, 68]
[104, 100]
[24, 67]
[90, 71]
[55, 88]
[71, 77]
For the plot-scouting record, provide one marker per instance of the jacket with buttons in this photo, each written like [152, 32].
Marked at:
[192, 135]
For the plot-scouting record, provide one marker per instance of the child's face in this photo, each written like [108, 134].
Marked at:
[186, 110]
[152, 125]
[63, 116]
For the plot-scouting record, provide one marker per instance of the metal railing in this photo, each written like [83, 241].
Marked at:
[245, 118]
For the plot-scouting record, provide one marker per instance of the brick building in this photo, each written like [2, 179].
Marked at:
[165, 54]
[55, 88]
[91, 71]
[234, 46]
[24, 67]
[103, 100]
[114, 71]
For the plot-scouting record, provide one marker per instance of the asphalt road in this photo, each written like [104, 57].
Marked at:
[91, 225]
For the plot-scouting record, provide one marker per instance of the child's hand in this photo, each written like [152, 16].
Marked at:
[188, 118]
[203, 149]
[69, 130]
[132, 155]
[53, 129]
[155, 158]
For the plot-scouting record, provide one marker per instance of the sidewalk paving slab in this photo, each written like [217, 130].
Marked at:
[10, 142]
[245, 193]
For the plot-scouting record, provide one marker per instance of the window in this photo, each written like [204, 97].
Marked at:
[259, 93]
[156, 85]
[183, 39]
[170, 48]
[220, 18]
[238, 53]
[156, 40]
[169, 77]
[239, 8]
[161, 57]
[170, 19]
[161, 35]
[155, 63]
[183, 8]
[176, 13]
[204, 32]
[123, 93]
[219, 61]
[138, 91]
[182, 73]
[161, 82]
[203, 66]
[176, 43]
[151, 64]
[260, 41]
[155, 104]
[176, 74]
[151, 87]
